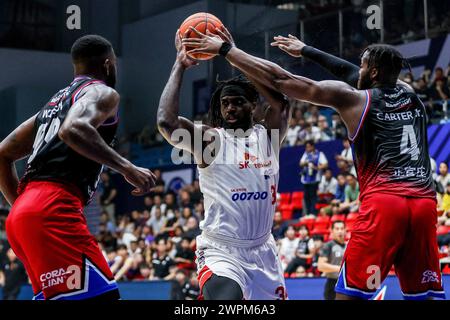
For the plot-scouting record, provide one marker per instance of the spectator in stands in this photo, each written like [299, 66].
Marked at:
[125, 231]
[177, 234]
[325, 132]
[185, 200]
[158, 203]
[186, 213]
[106, 237]
[351, 203]
[345, 159]
[120, 262]
[184, 254]
[192, 230]
[200, 211]
[279, 226]
[108, 195]
[110, 226]
[340, 189]
[148, 203]
[195, 193]
[12, 276]
[292, 132]
[312, 163]
[171, 205]
[309, 133]
[161, 262]
[157, 222]
[315, 251]
[300, 272]
[192, 289]
[327, 187]
[303, 253]
[338, 127]
[331, 257]
[288, 247]
[439, 91]
[445, 205]
[424, 94]
[147, 235]
[444, 176]
[179, 283]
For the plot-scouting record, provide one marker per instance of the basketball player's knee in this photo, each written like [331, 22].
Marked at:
[222, 288]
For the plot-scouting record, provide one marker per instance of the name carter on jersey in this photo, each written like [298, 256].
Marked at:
[399, 116]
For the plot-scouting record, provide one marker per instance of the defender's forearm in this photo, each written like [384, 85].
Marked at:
[267, 73]
[85, 139]
[340, 68]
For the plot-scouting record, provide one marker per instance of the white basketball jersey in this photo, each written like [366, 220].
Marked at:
[239, 186]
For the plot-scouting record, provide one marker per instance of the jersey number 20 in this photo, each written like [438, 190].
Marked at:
[44, 136]
[408, 144]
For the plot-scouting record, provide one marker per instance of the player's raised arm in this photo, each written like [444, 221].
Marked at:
[278, 114]
[345, 99]
[79, 132]
[14, 147]
[168, 118]
[340, 68]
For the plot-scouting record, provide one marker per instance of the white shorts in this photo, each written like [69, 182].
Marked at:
[257, 270]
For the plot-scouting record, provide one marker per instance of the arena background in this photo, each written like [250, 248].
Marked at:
[35, 40]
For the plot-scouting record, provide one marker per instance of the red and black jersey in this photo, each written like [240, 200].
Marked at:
[52, 159]
[391, 145]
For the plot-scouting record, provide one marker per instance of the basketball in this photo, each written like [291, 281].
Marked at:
[201, 21]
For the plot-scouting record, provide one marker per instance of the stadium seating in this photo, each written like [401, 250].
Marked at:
[350, 221]
[337, 217]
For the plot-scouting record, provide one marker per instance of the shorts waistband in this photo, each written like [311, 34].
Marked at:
[233, 242]
[74, 190]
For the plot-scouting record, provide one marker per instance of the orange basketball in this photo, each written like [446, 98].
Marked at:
[201, 21]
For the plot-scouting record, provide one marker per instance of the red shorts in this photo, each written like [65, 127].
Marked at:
[393, 230]
[47, 230]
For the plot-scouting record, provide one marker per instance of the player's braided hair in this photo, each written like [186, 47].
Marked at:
[387, 59]
[215, 118]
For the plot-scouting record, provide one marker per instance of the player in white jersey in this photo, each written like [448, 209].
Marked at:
[238, 172]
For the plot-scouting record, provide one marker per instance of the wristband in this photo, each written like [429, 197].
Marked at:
[225, 48]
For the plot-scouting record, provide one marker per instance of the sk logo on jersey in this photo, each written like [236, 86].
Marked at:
[252, 160]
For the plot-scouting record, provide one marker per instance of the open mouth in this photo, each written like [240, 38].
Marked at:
[231, 119]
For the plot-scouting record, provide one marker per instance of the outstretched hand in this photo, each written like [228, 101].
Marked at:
[205, 43]
[182, 56]
[291, 45]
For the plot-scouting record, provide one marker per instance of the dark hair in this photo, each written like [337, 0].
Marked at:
[303, 227]
[310, 142]
[185, 238]
[122, 246]
[351, 175]
[388, 60]
[214, 115]
[336, 222]
[90, 49]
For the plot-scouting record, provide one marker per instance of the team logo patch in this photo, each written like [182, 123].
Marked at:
[430, 276]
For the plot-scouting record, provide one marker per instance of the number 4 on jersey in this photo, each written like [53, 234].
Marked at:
[408, 144]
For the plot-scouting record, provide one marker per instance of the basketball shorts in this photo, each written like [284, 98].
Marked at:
[257, 269]
[47, 230]
[393, 230]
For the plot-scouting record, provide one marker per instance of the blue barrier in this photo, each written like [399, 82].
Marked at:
[298, 289]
